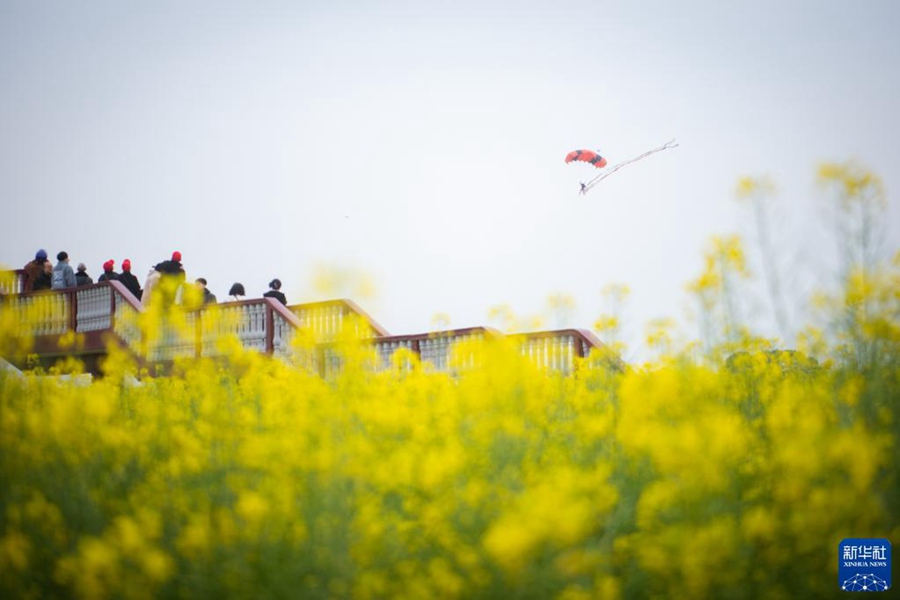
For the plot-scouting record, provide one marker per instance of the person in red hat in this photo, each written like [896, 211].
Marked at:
[129, 280]
[108, 273]
[172, 267]
[171, 271]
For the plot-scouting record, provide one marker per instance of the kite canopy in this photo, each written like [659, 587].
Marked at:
[588, 156]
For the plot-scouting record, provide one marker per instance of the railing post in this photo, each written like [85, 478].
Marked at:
[198, 333]
[73, 309]
[270, 330]
[112, 307]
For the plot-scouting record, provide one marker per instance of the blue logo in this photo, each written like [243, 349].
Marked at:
[864, 565]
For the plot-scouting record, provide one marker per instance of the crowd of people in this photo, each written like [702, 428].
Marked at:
[41, 274]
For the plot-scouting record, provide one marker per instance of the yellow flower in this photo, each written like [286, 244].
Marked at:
[15, 550]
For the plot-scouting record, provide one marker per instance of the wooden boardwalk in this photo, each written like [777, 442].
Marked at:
[83, 321]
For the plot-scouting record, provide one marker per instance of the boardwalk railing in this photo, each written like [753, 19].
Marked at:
[262, 324]
[107, 311]
[92, 310]
[454, 350]
[12, 282]
[331, 318]
[559, 350]
[436, 348]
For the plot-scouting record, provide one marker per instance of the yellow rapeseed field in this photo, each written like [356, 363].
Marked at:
[730, 471]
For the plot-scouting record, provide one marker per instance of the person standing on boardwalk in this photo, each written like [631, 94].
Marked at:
[33, 270]
[166, 282]
[81, 276]
[44, 281]
[150, 285]
[275, 292]
[127, 278]
[63, 276]
[208, 296]
[237, 292]
[108, 273]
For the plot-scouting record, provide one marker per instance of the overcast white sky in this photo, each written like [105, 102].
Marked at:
[422, 143]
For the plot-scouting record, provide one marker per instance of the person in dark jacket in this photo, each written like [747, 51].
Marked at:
[108, 273]
[81, 276]
[34, 269]
[208, 296]
[172, 276]
[127, 279]
[44, 281]
[173, 266]
[275, 291]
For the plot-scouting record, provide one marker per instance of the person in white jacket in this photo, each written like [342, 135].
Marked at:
[152, 279]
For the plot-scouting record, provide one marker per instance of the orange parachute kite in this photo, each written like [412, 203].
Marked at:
[588, 156]
[594, 158]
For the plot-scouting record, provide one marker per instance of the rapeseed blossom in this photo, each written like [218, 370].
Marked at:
[249, 477]
[727, 470]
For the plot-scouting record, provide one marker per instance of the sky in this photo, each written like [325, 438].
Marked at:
[414, 151]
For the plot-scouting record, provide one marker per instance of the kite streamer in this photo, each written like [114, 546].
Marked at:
[598, 161]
